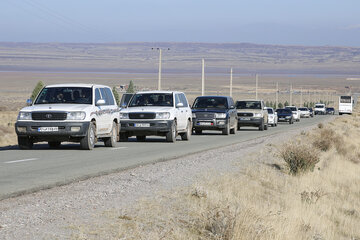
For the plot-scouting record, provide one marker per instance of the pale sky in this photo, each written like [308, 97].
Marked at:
[289, 22]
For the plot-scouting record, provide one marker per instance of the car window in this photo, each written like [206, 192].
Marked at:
[97, 95]
[248, 105]
[270, 110]
[109, 96]
[177, 99]
[152, 99]
[104, 96]
[184, 100]
[65, 95]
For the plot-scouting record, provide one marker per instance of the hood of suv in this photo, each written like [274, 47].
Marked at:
[249, 111]
[147, 109]
[212, 110]
[56, 107]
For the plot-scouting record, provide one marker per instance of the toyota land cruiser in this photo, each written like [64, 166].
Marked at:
[252, 113]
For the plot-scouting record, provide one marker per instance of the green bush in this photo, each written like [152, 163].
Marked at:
[36, 90]
[116, 95]
[299, 158]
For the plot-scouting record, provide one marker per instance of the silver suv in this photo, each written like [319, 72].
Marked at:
[252, 113]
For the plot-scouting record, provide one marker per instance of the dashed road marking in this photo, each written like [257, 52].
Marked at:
[22, 160]
[117, 148]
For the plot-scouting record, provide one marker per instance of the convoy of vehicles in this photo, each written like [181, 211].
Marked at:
[345, 105]
[214, 113]
[87, 113]
[252, 113]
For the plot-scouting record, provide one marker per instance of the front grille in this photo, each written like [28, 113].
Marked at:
[142, 115]
[44, 116]
[245, 114]
[205, 115]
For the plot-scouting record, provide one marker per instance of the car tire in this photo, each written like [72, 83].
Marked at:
[141, 138]
[88, 142]
[226, 130]
[186, 136]
[25, 143]
[198, 132]
[261, 127]
[265, 127]
[233, 130]
[171, 135]
[110, 141]
[124, 137]
[54, 144]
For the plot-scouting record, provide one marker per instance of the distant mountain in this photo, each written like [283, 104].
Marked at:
[139, 57]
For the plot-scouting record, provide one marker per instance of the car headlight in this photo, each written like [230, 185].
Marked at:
[76, 116]
[220, 115]
[124, 115]
[24, 116]
[194, 115]
[257, 115]
[288, 117]
[162, 115]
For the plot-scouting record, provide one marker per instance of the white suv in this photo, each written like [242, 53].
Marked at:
[160, 113]
[69, 113]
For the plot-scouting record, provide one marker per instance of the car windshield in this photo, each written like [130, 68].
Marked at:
[248, 105]
[65, 95]
[210, 102]
[283, 111]
[292, 108]
[303, 109]
[270, 111]
[330, 109]
[319, 106]
[152, 99]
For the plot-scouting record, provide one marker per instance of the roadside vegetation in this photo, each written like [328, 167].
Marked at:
[307, 188]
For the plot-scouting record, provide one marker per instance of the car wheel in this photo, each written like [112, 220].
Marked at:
[233, 130]
[186, 136]
[110, 141]
[124, 137]
[171, 135]
[265, 127]
[226, 130]
[198, 132]
[261, 127]
[88, 142]
[54, 144]
[140, 138]
[25, 143]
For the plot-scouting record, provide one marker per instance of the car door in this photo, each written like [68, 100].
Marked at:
[180, 115]
[100, 118]
[232, 112]
[186, 109]
[107, 109]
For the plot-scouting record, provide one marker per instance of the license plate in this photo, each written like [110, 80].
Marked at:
[245, 118]
[142, 124]
[281, 118]
[205, 123]
[48, 129]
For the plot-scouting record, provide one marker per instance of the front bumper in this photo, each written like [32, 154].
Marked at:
[64, 130]
[153, 127]
[284, 119]
[209, 124]
[250, 121]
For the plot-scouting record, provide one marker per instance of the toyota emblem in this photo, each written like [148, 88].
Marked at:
[48, 116]
[142, 115]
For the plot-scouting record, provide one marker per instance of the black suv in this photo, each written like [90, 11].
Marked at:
[285, 115]
[330, 110]
[214, 113]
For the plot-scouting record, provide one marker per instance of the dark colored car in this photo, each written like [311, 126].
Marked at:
[214, 113]
[311, 112]
[285, 115]
[330, 110]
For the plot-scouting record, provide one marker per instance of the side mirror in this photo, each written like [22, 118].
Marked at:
[100, 102]
[29, 102]
[123, 105]
[179, 105]
[232, 107]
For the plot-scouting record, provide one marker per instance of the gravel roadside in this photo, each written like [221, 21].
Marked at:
[56, 213]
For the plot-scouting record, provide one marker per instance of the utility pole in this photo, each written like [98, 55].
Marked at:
[290, 95]
[277, 95]
[256, 86]
[203, 78]
[159, 81]
[301, 98]
[231, 81]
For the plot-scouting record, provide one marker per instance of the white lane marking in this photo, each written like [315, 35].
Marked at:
[118, 148]
[22, 160]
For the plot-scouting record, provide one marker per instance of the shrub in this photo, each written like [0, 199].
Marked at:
[36, 90]
[299, 158]
[116, 96]
[326, 139]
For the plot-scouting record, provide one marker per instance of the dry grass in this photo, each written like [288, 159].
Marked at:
[259, 203]
[7, 128]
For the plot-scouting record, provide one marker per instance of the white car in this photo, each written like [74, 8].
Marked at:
[320, 109]
[69, 113]
[159, 113]
[272, 117]
[295, 111]
[304, 112]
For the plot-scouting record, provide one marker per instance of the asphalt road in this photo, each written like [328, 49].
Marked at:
[26, 171]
